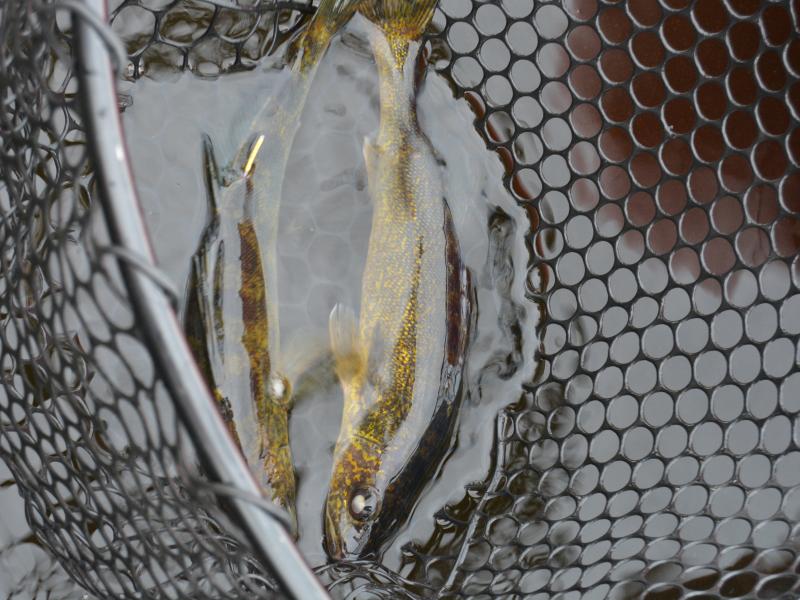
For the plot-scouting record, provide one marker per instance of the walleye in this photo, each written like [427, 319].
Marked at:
[227, 325]
[230, 316]
[401, 364]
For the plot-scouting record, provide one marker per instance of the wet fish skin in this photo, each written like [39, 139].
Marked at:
[401, 365]
[227, 326]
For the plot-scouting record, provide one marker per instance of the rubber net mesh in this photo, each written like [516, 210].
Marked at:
[655, 145]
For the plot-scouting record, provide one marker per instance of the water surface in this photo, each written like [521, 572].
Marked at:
[324, 229]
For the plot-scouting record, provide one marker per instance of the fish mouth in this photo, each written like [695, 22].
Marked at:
[355, 545]
[339, 549]
[333, 542]
[342, 541]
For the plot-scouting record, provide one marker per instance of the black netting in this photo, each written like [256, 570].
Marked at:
[655, 451]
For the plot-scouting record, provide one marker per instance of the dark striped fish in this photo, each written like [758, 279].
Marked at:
[228, 327]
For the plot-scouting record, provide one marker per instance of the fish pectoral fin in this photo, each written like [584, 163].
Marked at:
[347, 356]
[317, 376]
[308, 365]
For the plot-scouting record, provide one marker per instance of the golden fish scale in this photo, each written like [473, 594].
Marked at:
[404, 292]
[238, 365]
[272, 414]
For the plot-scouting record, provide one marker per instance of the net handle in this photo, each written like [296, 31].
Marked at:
[163, 333]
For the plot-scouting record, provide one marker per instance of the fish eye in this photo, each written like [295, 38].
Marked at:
[363, 503]
[279, 388]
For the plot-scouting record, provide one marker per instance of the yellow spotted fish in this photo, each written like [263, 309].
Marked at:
[230, 316]
[400, 362]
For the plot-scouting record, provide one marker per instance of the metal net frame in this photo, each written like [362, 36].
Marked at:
[655, 453]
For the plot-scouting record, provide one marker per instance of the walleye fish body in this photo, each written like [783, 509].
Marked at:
[227, 325]
[274, 129]
[401, 365]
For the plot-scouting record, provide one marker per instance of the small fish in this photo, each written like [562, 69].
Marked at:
[401, 364]
[226, 320]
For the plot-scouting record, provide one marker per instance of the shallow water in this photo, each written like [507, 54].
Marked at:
[324, 228]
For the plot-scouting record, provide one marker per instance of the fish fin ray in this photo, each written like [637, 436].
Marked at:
[370, 151]
[243, 164]
[343, 332]
[413, 17]
[308, 365]
[328, 19]
[212, 175]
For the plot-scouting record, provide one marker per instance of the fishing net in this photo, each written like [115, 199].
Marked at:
[654, 453]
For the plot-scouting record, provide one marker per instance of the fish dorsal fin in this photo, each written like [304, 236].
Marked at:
[347, 355]
[211, 170]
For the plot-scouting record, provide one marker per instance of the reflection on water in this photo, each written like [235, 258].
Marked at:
[324, 228]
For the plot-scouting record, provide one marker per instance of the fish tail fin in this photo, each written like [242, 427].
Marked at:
[408, 18]
[336, 13]
[344, 342]
[330, 16]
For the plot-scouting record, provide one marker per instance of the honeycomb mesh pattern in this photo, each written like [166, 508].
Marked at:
[655, 454]
[205, 38]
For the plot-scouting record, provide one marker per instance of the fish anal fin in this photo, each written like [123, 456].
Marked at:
[347, 356]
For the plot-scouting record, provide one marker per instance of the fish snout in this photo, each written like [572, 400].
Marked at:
[344, 539]
[333, 545]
